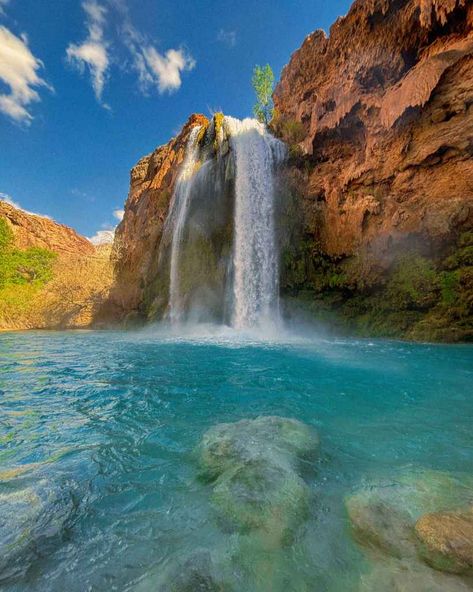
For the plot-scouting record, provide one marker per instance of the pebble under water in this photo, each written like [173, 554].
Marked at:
[100, 483]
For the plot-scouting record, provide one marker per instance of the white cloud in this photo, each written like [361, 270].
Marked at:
[227, 37]
[154, 68]
[102, 237]
[8, 199]
[93, 53]
[118, 214]
[19, 72]
[165, 70]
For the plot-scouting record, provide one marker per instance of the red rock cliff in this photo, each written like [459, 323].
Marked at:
[31, 230]
[384, 107]
[138, 236]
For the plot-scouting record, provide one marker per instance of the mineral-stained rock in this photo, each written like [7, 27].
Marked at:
[446, 540]
[385, 103]
[257, 467]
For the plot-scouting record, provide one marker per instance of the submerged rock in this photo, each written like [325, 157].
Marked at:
[29, 517]
[192, 575]
[264, 438]
[383, 514]
[446, 540]
[406, 576]
[256, 467]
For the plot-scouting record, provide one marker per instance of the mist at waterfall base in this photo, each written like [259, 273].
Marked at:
[103, 428]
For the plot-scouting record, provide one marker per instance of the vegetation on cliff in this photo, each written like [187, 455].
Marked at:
[416, 297]
[40, 289]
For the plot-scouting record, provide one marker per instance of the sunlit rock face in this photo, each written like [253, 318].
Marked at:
[138, 236]
[379, 115]
[34, 230]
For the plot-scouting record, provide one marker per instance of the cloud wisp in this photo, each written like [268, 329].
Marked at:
[107, 232]
[161, 70]
[93, 52]
[19, 72]
[228, 38]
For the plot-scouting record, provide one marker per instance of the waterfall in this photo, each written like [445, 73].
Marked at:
[219, 245]
[178, 215]
[255, 253]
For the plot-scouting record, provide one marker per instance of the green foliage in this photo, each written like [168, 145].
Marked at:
[19, 267]
[414, 284]
[6, 235]
[263, 84]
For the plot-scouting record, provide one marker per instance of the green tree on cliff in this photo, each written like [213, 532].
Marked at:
[263, 83]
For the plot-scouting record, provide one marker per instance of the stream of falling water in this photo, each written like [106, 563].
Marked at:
[255, 253]
[255, 258]
[179, 209]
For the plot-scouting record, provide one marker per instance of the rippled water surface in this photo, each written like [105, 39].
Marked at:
[101, 428]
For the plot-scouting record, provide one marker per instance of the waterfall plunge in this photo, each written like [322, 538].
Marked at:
[178, 214]
[255, 253]
[252, 277]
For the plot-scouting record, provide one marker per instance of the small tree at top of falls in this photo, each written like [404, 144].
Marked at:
[263, 83]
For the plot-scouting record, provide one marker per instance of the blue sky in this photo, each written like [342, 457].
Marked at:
[87, 88]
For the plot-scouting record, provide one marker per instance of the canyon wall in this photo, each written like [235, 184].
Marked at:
[51, 277]
[376, 203]
[138, 236]
[32, 230]
[379, 117]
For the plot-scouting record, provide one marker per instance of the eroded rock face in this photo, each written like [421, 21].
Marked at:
[138, 236]
[385, 105]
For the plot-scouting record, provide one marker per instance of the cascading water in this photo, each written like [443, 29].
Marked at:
[255, 253]
[178, 215]
[220, 241]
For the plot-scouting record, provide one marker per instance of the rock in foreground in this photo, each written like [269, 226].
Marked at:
[446, 540]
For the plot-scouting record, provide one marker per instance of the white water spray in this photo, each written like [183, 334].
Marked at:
[255, 253]
[178, 216]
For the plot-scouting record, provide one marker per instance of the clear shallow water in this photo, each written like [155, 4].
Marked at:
[108, 422]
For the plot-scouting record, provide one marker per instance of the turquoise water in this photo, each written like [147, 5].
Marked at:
[101, 427]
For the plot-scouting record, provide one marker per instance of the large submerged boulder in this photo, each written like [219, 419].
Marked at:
[404, 520]
[383, 514]
[257, 468]
[31, 515]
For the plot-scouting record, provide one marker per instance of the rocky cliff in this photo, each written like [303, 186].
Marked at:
[32, 230]
[50, 276]
[379, 116]
[376, 204]
[138, 237]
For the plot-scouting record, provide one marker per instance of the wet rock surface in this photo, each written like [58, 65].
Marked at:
[257, 471]
[388, 520]
[446, 540]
